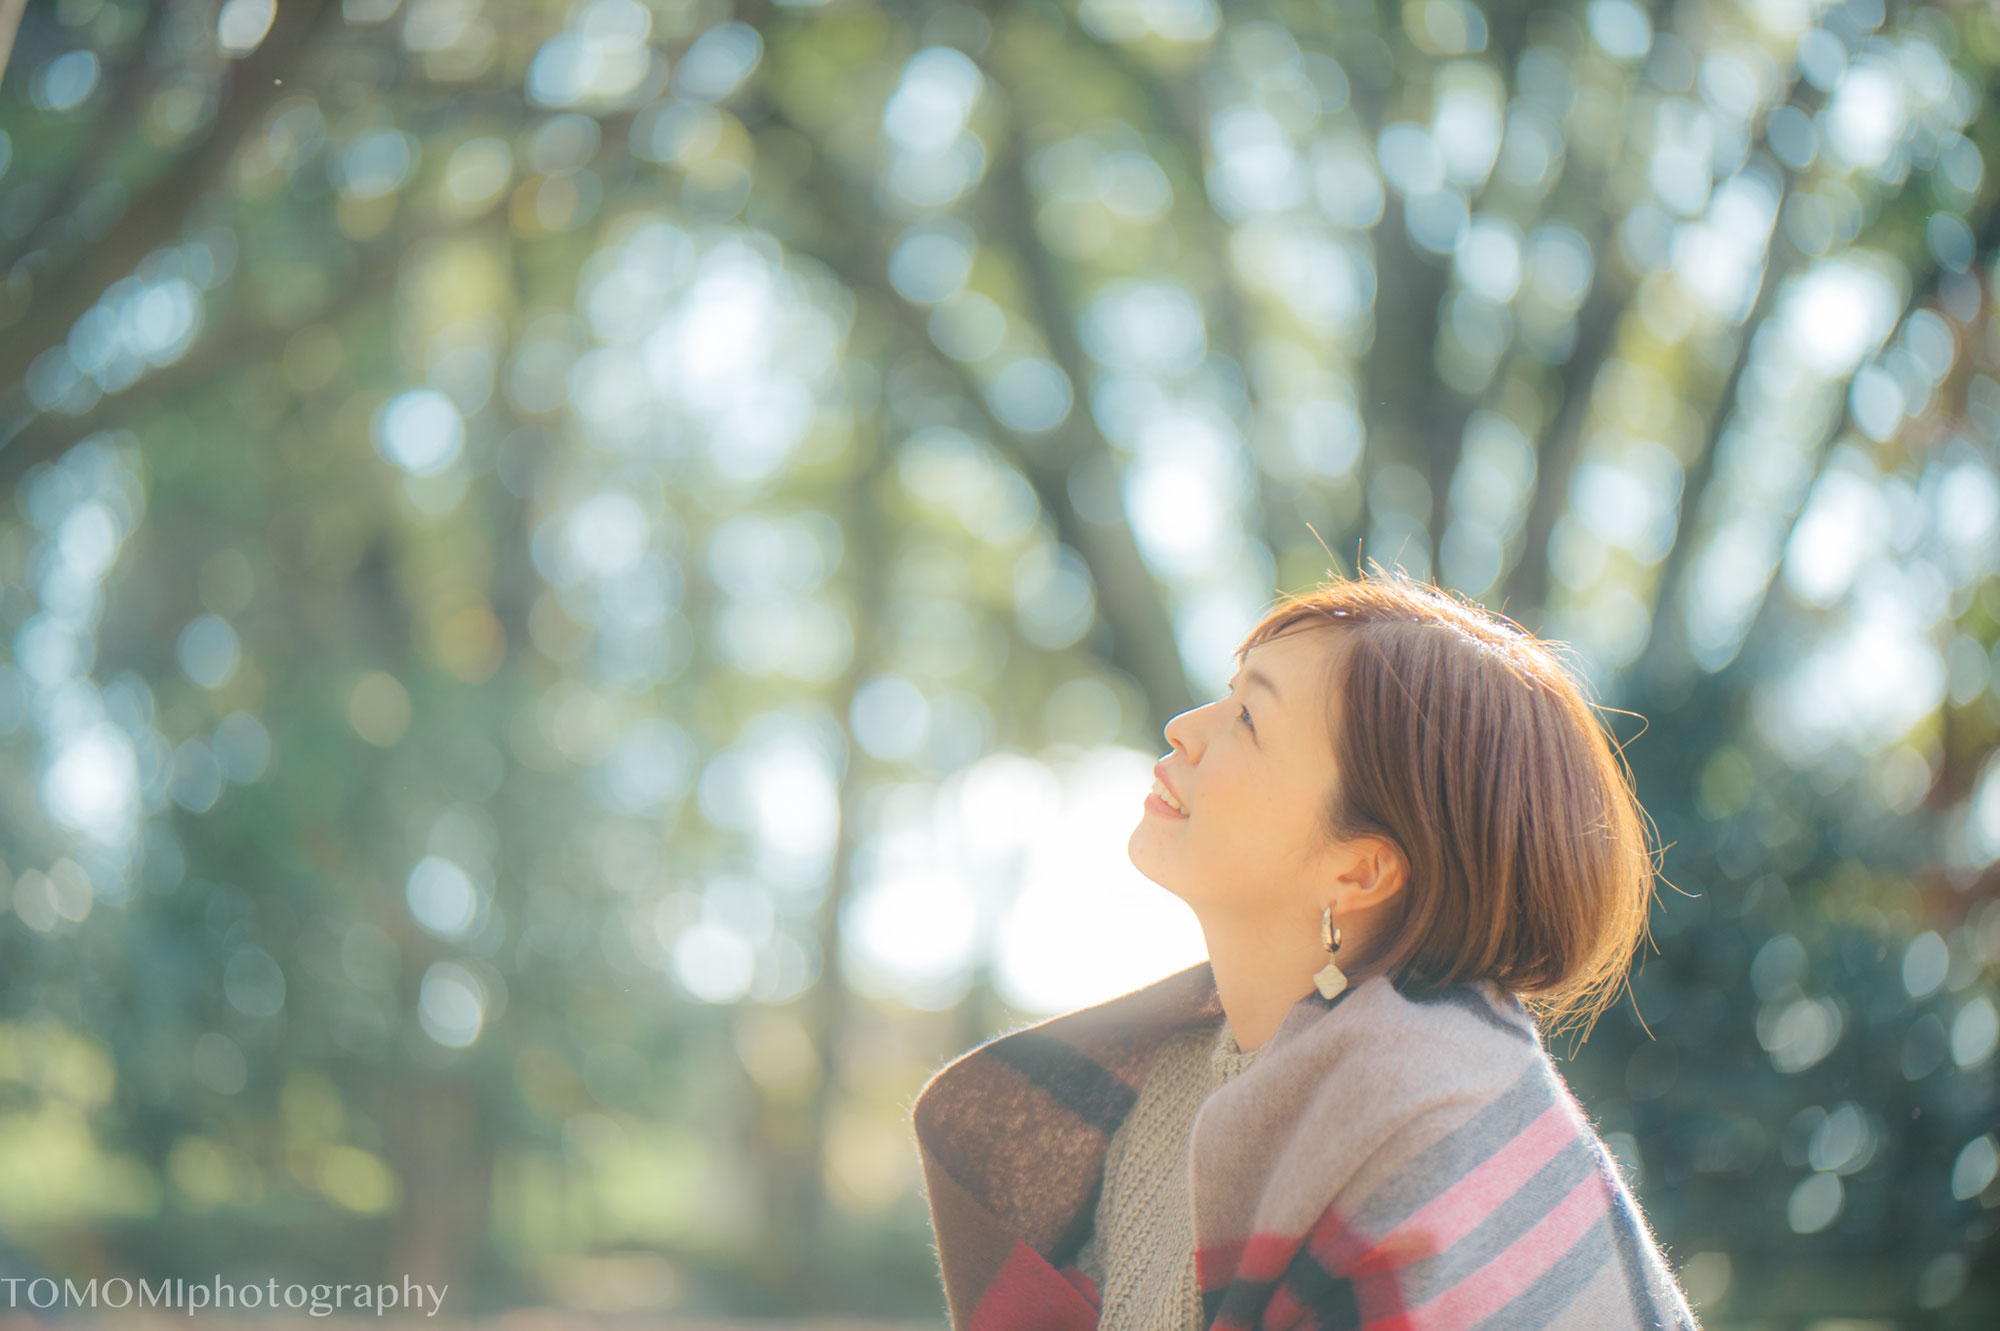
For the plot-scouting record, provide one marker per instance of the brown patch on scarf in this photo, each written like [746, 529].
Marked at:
[1062, 1086]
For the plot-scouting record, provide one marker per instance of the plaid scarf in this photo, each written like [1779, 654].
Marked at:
[1392, 1160]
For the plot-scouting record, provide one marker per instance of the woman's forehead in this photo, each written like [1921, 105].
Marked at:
[1301, 655]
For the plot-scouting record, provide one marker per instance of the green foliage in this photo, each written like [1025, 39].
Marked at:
[518, 509]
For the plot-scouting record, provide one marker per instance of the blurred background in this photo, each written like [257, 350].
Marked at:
[590, 591]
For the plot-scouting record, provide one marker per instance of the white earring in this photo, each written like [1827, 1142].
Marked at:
[1330, 978]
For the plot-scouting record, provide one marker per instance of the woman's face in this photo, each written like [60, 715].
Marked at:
[1253, 772]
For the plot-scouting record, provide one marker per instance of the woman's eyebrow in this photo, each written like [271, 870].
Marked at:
[1263, 681]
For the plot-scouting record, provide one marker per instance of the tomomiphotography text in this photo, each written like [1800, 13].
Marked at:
[193, 1296]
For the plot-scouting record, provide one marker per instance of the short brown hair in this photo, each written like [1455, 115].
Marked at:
[1466, 742]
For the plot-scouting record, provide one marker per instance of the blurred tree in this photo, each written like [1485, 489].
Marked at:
[521, 509]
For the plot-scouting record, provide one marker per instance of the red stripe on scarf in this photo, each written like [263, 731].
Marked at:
[1481, 1293]
[1460, 1209]
[1029, 1293]
[1259, 1257]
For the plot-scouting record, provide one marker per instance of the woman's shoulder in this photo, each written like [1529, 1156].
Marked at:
[1384, 1073]
[1398, 1035]
[1485, 1003]
[1424, 1147]
[1383, 1060]
[1390, 1092]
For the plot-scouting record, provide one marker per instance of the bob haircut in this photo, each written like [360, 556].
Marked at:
[1465, 742]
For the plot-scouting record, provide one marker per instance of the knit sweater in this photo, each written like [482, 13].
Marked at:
[1392, 1160]
[1141, 1249]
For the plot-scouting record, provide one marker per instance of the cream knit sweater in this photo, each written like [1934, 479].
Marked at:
[1141, 1251]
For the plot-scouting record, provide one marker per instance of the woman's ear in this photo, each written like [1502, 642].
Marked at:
[1376, 872]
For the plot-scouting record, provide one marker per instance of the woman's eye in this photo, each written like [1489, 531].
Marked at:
[1244, 717]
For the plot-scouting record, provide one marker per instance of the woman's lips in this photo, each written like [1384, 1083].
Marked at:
[1154, 804]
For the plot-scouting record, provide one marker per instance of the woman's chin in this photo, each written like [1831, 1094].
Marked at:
[1138, 848]
[1150, 861]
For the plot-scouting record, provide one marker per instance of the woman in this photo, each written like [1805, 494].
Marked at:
[1410, 848]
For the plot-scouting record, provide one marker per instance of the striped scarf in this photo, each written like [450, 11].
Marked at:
[1394, 1161]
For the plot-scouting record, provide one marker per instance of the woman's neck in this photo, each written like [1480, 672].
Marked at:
[1258, 980]
[1263, 969]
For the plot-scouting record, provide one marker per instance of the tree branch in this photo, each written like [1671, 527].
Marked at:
[1667, 604]
[1174, 107]
[247, 342]
[1562, 446]
[129, 87]
[10, 24]
[159, 210]
[1143, 641]
[1143, 638]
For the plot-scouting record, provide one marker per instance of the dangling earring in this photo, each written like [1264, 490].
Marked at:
[1330, 978]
